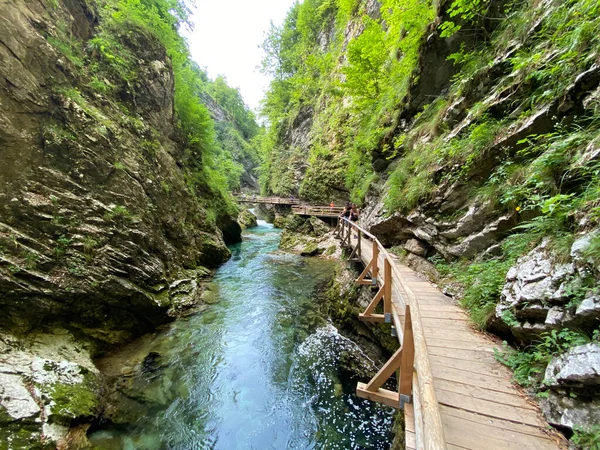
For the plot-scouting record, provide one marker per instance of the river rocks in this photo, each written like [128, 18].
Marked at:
[311, 249]
[309, 237]
[247, 219]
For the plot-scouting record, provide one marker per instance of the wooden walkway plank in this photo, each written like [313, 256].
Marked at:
[478, 403]
[469, 434]
[504, 398]
[504, 425]
[476, 379]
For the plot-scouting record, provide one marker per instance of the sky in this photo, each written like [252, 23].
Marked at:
[226, 39]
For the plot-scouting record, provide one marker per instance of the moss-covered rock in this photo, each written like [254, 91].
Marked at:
[311, 249]
[247, 219]
[49, 384]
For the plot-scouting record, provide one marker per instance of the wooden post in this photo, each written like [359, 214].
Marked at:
[406, 365]
[387, 294]
[375, 268]
[359, 255]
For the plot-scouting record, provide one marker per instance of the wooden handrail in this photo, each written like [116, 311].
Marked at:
[433, 432]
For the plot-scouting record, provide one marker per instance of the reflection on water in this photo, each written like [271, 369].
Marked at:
[244, 374]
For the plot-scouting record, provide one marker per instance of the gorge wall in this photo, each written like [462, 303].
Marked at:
[468, 132]
[112, 206]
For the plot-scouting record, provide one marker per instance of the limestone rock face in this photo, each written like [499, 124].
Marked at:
[573, 379]
[579, 366]
[96, 220]
[474, 231]
[416, 247]
[541, 292]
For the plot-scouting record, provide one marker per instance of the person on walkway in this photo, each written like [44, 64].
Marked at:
[331, 206]
[291, 199]
[354, 213]
[347, 211]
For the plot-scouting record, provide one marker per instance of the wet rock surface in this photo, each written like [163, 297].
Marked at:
[247, 219]
[308, 237]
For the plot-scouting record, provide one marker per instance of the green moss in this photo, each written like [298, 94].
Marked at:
[74, 401]
[310, 249]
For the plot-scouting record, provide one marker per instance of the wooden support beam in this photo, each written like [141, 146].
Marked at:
[375, 266]
[386, 371]
[361, 278]
[379, 318]
[374, 302]
[384, 396]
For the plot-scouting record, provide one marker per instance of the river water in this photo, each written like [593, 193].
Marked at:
[257, 370]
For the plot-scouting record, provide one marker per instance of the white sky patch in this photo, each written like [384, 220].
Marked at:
[226, 40]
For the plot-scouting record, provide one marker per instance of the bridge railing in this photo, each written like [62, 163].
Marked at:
[270, 200]
[324, 211]
[415, 380]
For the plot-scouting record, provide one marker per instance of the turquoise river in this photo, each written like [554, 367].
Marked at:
[257, 369]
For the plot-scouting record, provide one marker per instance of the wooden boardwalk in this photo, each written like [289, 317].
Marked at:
[267, 200]
[298, 208]
[455, 395]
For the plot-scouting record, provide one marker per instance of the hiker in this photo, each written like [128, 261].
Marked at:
[347, 211]
[331, 206]
[291, 199]
[354, 212]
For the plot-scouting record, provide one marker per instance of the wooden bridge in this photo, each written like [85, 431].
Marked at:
[298, 207]
[267, 200]
[454, 394]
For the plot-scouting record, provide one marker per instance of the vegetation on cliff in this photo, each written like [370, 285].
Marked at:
[471, 127]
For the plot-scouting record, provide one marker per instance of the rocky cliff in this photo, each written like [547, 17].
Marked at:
[469, 134]
[107, 225]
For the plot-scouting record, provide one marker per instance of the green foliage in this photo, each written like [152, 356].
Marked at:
[586, 438]
[529, 364]
[66, 44]
[61, 245]
[467, 10]
[120, 214]
[483, 282]
[112, 59]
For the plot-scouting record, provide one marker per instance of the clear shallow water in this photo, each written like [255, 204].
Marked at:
[250, 373]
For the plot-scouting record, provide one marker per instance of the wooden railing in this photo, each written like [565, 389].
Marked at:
[323, 211]
[270, 200]
[400, 306]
